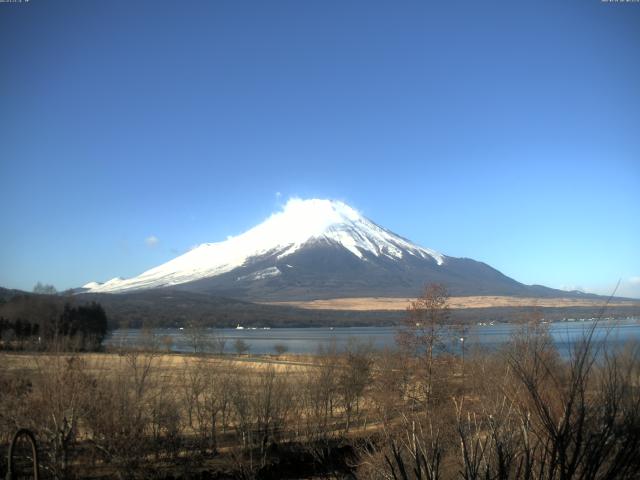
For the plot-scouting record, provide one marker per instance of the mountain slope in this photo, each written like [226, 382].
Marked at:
[316, 249]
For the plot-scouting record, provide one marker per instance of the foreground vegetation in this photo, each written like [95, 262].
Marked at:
[519, 413]
[413, 413]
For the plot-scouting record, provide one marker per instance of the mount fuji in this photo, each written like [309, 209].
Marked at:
[319, 249]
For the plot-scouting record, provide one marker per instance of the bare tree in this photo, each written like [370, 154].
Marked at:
[241, 347]
[280, 349]
[167, 343]
[120, 419]
[60, 400]
[196, 337]
[354, 376]
[389, 386]
[422, 332]
[580, 420]
[206, 400]
[240, 398]
[217, 344]
[271, 403]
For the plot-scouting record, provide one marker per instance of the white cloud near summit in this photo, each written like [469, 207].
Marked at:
[152, 241]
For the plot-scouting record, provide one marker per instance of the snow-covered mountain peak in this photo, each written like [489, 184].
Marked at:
[302, 219]
[320, 210]
[300, 223]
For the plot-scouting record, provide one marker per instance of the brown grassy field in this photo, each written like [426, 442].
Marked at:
[342, 415]
[391, 304]
[174, 364]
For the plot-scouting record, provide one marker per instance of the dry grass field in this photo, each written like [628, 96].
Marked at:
[165, 365]
[340, 414]
[124, 413]
[389, 303]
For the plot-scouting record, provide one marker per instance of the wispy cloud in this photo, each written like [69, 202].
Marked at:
[572, 288]
[152, 241]
[634, 280]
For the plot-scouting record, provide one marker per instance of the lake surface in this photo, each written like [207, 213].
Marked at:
[308, 340]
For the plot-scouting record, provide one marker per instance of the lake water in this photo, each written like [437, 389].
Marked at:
[307, 340]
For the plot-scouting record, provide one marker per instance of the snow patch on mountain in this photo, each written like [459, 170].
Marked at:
[283, 233]
[260, 274]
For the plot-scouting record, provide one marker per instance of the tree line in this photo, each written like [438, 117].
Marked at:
[28, 322]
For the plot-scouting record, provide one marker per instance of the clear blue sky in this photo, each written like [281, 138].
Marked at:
[504, 131]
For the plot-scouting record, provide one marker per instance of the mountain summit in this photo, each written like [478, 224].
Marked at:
[317, 249]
